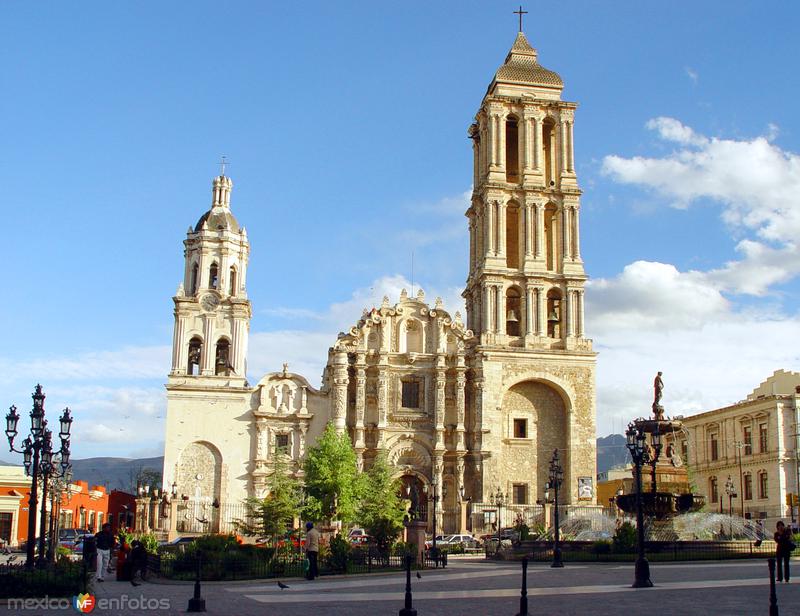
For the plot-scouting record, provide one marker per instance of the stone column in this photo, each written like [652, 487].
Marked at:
[438, 470]
[477, 433]
[562, 145]
[529, 235]
[461, 401]
[501, 146]
[488, 292]
[491, 148]
[538, 149]
[488, 215]
[180, 351]
[209, 349]
[580, 313]
[539, 230]
[524, 142]
[440, 381]
[383, 381]
[499, 317]
[340, 382]
[565, 233]
[576, 239]
[501, 229]
[462, 501]
[571, 158]
[568, 313]
[541, 324]
[530, 310]
[475, 163]
[361, 398]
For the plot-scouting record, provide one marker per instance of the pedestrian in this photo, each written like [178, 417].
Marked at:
[312, 550]
[784, 544]
[105, 543]
[137, 561]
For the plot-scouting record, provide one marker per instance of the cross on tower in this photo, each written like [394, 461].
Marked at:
[222, 164]
[520, 12]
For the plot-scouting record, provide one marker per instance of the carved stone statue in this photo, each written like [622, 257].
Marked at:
[658, 389]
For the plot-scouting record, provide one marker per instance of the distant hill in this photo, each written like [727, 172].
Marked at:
[611, 452]
[114, 473]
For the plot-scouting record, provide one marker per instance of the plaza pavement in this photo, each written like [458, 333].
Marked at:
[480, 588]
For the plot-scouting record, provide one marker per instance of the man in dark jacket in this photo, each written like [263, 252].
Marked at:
[105, 543]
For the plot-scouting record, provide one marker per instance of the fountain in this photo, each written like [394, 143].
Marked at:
[668, 472]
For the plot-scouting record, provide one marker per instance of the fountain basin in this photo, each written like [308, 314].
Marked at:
[661, 505]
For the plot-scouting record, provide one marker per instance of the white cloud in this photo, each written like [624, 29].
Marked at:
[692, 74]
[756, 184]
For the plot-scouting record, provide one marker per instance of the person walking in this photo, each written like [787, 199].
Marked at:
[784, 545]
[312, 550]
[105, 542]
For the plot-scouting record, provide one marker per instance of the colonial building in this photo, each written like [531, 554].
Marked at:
[745, 456]
[472, 407]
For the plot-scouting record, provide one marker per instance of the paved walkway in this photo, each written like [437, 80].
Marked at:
[478, 588]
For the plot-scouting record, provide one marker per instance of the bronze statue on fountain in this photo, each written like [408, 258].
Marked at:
[667, 473]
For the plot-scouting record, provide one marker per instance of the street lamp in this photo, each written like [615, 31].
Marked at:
[556, 479]
[635, 442]
[37, 451]
[499, 499]
[434, 498]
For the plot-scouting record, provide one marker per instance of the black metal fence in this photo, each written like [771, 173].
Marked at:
[62, 580]
[262, 563]
[583, 551]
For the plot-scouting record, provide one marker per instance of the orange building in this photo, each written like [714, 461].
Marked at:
[15, 487]
[82, 507]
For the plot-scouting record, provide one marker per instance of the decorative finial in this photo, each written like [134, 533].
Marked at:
[224, 161]
[520, 12]
[285, 370]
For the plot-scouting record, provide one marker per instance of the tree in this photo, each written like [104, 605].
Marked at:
[331, 477]
[382, 509]
[271, 515]
[143, 476]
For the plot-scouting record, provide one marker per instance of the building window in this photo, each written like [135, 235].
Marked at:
[513, 312]
[762, 438]
[748, 440]
[512, 150]
[282, 443]
[714, 447]
[551, 237]
[222, 361]
[520, 493]
[520, 428]
[193, 285]
[195, 353]
[410, 394]
[748, 487]
[232, 282]
[512, 236]
[5, 526]
[763, 486]
[712, 488]
[213, 276]
[553, 313]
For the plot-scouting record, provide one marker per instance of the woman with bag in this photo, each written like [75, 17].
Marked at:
[784, 545]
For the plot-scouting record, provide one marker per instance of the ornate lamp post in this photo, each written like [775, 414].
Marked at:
[38, 454]
[556, 479]
[434, 498]
[730, 490]
[499, 499]
[636, 443]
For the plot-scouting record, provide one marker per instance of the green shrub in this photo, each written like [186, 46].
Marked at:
[624, 538]
[601, 547]
[340, 549]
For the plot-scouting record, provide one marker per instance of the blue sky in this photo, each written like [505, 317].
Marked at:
[345, 125]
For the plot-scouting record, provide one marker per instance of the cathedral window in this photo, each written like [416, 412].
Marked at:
[512, 236]
[520, 428]
[512, 150]
[195, 353]
[548, 136]
[520, 494]
[714, 448]
[213, 276]
[762, 438]
[513, 312]
[232, 282]
[713, 489]
[414, 337]
[222, 364]
[193, 283]
[551, 237]
[748, 486]
[763, 485]
[554, 313]
[410, 394]
[282, 444]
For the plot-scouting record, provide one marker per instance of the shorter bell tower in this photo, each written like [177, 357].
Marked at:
[212, 312]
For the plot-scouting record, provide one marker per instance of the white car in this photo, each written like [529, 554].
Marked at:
[468, 541]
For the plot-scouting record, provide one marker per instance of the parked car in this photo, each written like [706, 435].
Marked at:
[429, 542]
[360, 539]
[356, 532]
[466, 540]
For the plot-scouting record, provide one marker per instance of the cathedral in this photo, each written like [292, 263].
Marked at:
[472, 405]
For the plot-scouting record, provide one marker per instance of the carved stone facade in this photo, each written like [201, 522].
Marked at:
[462, 408]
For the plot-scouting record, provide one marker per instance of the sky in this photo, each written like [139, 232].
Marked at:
[345, 126]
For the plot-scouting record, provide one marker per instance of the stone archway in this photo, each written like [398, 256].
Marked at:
[536, 419]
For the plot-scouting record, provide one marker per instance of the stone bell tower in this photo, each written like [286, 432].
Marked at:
[532, 366]
[212, 312]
